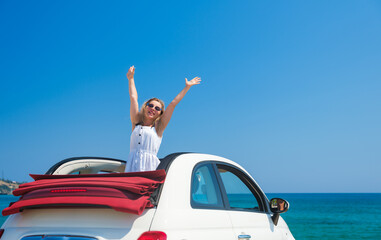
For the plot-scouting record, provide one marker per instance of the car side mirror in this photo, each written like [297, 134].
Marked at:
[278, 206]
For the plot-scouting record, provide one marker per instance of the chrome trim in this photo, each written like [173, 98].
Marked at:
[57, 237]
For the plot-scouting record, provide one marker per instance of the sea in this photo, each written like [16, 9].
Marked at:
[319, 215]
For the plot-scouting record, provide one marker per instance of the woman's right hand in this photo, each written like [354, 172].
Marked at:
[130, 73]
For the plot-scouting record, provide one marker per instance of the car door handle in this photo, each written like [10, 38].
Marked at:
[244, 237]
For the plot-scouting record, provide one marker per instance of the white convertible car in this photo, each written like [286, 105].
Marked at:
[191, 196]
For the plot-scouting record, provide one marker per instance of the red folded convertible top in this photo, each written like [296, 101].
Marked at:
[125, 192]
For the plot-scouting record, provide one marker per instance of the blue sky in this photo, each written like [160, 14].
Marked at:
[290, 90]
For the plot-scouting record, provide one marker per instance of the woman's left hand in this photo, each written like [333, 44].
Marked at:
[192, 82]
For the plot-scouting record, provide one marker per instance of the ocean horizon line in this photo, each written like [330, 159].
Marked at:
[322, 192]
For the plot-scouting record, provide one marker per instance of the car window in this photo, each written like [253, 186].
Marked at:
[205, 192]
[238, 193]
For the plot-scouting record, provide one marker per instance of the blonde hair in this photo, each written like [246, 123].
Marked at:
[141, 112]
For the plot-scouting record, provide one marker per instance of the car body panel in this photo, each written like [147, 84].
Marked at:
[102, 223]
[257, 225]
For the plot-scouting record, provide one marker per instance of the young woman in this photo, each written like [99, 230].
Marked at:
[148, 125]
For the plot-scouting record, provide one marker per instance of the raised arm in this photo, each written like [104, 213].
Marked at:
[166, 117]
[134, 106]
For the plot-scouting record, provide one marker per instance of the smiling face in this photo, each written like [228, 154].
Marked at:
[151, 110]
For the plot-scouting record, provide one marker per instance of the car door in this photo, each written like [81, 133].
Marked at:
[209, 218]
[247, 205]
[190, 206]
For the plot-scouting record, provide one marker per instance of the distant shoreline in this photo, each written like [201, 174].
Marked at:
[7, 187]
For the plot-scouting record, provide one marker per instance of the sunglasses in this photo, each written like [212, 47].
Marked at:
[150, 105]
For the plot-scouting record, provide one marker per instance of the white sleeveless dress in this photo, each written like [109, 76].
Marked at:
[144, 145]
